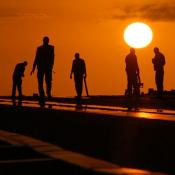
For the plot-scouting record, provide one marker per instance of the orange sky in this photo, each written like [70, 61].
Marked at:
[93, 28]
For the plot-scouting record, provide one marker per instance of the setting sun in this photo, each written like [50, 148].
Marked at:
[138, 35]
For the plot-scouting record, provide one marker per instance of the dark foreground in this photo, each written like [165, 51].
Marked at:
[128, 139]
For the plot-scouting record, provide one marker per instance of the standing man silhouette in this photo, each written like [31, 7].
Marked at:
[132, 71]
[17, 79]
[159, 62]
[79, 71]
[44, 60]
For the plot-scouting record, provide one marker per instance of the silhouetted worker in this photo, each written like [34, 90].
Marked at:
[159, 62]
[79, 71]
[44, 60]
[17, 79]
[132, 71]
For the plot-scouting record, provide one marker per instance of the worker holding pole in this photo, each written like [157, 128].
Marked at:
[79, 72]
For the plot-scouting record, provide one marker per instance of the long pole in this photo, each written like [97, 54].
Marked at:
[86, 88]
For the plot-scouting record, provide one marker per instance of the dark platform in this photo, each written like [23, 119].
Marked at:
[130, 139]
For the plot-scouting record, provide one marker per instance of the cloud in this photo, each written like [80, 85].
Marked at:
[12, 13]
[153, 12]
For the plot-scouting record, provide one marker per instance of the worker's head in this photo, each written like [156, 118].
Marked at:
[77, 55]
[156, 50]
[132, 50]
[25, 63]
[46, 40]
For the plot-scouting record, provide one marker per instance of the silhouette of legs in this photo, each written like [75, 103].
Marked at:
[48, 79]
[40, 77]
[17, 84]
[136, 91]
[19, 87]
[159, 82]
[14, 89]
[79, 86]
[132, 86]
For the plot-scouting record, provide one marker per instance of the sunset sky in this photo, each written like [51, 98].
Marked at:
[92, 28]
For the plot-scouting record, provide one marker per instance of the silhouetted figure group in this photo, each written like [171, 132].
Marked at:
[133, 76]
[44, 61]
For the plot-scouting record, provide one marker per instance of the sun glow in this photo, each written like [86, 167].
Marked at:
[138, 35]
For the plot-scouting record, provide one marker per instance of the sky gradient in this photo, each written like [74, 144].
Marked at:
[92, 28]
